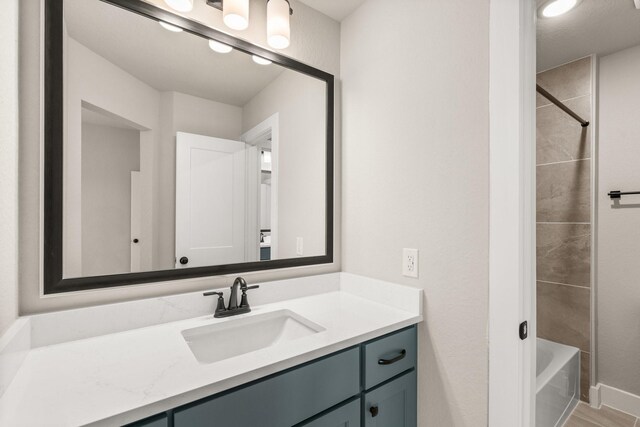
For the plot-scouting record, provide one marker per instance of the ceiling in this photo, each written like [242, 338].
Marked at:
[594, 26]
[164, 60]
[336, 9]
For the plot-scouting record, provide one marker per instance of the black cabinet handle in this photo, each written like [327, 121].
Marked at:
[374, 411]
[399, 357]
[184, 260]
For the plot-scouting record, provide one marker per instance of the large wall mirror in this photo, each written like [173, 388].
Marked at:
[175, 151]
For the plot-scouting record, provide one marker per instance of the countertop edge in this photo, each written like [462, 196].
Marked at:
[180, 399]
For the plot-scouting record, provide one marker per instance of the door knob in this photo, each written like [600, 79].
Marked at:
[135, 240]
[184, 260]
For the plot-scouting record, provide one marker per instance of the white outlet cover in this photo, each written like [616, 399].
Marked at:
[299, 246]
[410, 262]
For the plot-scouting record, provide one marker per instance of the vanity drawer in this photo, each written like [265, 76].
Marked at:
[389, 356]
[282, 400]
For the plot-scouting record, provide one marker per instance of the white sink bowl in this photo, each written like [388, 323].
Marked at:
[234, 337]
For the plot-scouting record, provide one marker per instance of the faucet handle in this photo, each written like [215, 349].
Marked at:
[244, 302]
[208, 294]
[220, 306]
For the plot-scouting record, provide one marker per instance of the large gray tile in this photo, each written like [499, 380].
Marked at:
[564, 314]
[567, 81]
[563, 253]
[559, 136]
[563, 192]
[585, 375]
[605, 416]
[575, 421]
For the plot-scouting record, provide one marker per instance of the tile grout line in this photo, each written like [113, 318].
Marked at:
[565, 284]
[564, 100]
[564, 161]
[565, 223]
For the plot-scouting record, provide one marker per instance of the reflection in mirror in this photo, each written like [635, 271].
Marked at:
[177, 155]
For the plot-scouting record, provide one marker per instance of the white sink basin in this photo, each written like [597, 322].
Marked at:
[234, 337]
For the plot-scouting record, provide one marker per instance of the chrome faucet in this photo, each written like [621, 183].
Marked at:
[233, 308]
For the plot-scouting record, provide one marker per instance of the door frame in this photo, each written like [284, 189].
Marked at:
[512, 238]
[272, 125]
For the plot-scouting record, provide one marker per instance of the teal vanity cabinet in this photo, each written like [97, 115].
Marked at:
[372, 385]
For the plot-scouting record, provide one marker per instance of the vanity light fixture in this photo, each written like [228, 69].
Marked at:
[554, 8]
[180, 5]
[278, 26]
[260, 60]
[170, 27]
[219, 47]
[235, 14]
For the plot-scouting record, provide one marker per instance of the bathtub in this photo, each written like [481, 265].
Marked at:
[557, 382]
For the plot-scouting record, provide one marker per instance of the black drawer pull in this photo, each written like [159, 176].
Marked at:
[374, 411]
[398, 358]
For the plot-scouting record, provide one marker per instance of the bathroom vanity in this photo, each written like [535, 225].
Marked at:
[326, 350]
[374, 381]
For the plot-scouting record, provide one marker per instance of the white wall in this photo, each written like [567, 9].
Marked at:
[415, 175]
[109, 154]
[618, 262]
[93, 79]
[298, 100]
[315, 41]
[8, 164]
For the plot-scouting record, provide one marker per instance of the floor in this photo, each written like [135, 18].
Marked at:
[585, 416]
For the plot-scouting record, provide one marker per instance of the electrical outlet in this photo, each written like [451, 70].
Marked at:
[299, 246]
[410, 262]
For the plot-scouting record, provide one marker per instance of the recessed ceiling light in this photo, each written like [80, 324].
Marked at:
[170, 27]
[260, 60]
[216, 46]
[180, 5]
[554, 8]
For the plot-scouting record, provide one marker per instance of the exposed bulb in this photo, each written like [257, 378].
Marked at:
[170, 27]
[558, 7]
[216, 46]
[260, 60]
[180, 5]
[235, 14]
[278, 27]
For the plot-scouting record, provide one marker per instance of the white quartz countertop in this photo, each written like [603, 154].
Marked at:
[121, 377]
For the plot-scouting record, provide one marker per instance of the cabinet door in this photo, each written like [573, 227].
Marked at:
[347, 415]
[392, 404]
[280, 401]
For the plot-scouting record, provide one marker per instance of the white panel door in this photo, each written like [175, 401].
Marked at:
[136, 222]
[210, 201]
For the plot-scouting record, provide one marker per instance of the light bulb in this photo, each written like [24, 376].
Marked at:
[235, 14]
[558, 7]
[170, 27]
[180, 5]
[260, 60]
[278, 28]
[216, 46]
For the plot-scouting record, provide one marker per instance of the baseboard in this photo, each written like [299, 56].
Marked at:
[614, 398]
[14, 346]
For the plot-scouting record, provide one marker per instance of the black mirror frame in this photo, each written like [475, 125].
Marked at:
[54, 143]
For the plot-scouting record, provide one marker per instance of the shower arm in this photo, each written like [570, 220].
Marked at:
[560, 105]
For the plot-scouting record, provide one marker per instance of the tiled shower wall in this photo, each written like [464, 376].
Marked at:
[563, 151]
